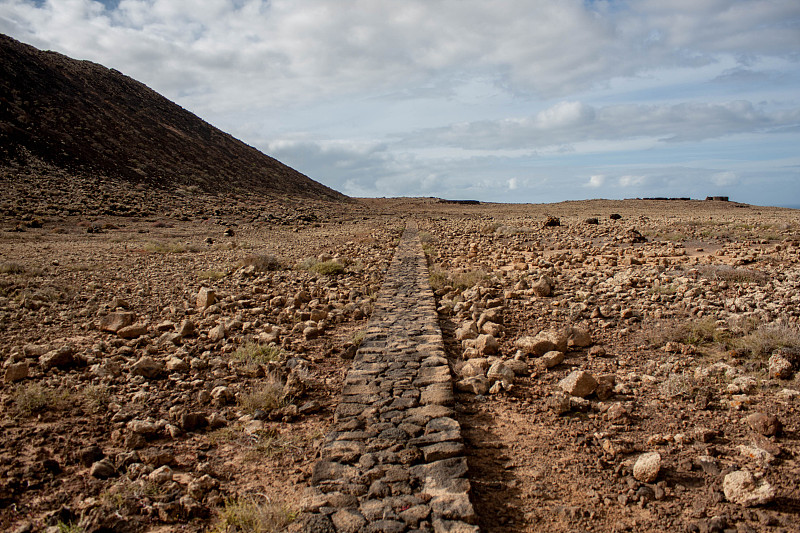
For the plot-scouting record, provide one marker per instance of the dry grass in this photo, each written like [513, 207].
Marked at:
[768, 338]
[266, 396]
[441, 279]
[263, 262]
[258, 354]
[33, 398]
[247, 515]
[732, 274]
[697, 332]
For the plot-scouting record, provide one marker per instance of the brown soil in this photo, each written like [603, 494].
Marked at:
[531, 468]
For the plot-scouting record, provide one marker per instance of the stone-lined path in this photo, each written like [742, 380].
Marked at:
[394, 460]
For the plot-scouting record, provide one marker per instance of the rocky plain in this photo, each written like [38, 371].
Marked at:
[173, 362]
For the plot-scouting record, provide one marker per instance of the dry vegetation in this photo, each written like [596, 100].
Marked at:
[220, 432]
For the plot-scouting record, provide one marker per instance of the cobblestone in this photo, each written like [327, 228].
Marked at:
[394, 459]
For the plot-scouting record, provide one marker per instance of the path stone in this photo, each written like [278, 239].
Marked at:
[395, 448]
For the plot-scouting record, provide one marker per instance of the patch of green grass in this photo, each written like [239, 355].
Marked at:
[358, 337]
[69, 527]
[33, 398]
[246, 515]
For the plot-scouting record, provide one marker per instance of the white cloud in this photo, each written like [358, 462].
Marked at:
[596, 181]
[631, 181]
[460, 97]
[724, 178]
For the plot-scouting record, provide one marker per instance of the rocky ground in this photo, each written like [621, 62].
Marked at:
[173, 366]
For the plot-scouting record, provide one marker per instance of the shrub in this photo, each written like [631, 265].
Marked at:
[325, 268]
[33, 398]
[11, 268]
[460, 281]
[263, 262]
[267, 395]
[246, 515]
[261, 354]
[767, 338]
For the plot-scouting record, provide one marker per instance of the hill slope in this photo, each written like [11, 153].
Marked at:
[88, 119]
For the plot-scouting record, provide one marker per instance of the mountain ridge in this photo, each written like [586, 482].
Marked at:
[86, 118]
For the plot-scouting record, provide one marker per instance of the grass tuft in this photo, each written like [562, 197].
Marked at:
[33, 398]
[267, 395]
[246, 515]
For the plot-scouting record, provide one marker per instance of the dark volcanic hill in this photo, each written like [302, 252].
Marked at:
[90, 120]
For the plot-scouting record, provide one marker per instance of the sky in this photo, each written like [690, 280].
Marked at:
[500, 101]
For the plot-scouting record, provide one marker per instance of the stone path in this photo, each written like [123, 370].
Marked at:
[394, 460]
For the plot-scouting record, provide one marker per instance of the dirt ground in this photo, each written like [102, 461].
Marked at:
[171, 428]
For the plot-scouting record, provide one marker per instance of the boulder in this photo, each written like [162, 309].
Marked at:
[780, 367]
[742, 488]
[487, 344]
[16, 372]
[206, 297]
[578, 383]
[147, 368]
[647, 467]
[133, 331]
[113, 322]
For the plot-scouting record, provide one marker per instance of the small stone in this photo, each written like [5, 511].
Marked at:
[767, 425]
[475, 385]
[647, 467]
[543, 288]
[551, 359]
[217, 333]
[61, 358]
[578, 383]
[742, 488]
[579, 338]
[206, 297]
[176, 364]
[89, 455]
[161, 475]
[348, 521]
[193, 421]
[597, 351]
[133, 331]
[780, 367]
[103, 469]
[113, 322]
[147, 368]
[16, 372]
[559, 403]
[487, 344]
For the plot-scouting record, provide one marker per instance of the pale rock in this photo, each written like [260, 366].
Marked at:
[161, 475]
[61, 358]
[103, 469]
[133, 331]
[780, 367]
[176, 364]
[500, 372]
[142, 427]
[468, 330]
[647, 467]
[551, 359]
[147, 368]
[756, 453]
[474, 367]
[187, 328]
[559, 402]
[491, 328]
[16, 372]
[217, 333]
[519, 367]
[742, 488]
[487, 344]
[206, 297]
[113, 322]
[474, 385]
[221, 395]
[579, 338]
[578, 383]
[545, 341]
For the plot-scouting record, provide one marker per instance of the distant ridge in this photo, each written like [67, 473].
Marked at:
[85, 118]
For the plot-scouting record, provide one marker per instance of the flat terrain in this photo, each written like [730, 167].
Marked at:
[136, 399]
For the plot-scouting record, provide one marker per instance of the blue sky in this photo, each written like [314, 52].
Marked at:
[509, 101]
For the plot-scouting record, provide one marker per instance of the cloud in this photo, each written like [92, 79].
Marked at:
[513, 184]
[724, 178]
[631, 181]
[573, 122]
[596, 181]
